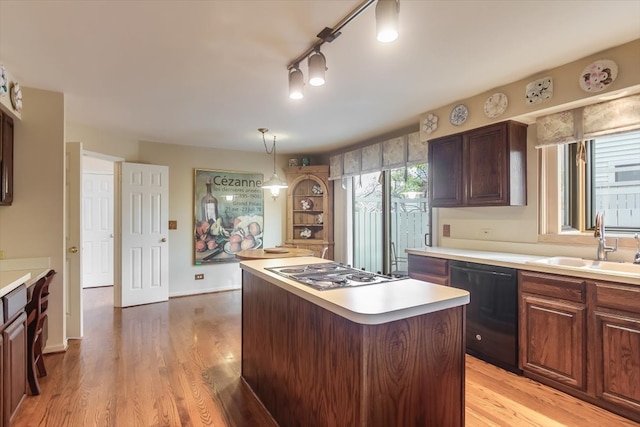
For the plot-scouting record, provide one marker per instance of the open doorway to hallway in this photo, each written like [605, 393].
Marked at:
[97, 222]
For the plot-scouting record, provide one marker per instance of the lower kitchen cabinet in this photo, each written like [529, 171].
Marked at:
[582, 337]
[616, 334]
[14, 353]
[553, 341]
[434, 270]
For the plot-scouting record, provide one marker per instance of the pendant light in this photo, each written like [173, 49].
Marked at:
[273, 184]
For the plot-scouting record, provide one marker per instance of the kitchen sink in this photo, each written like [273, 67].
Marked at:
[564, 261]
[580, 263]
[624, 267]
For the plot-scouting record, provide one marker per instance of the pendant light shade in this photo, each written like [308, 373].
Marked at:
[296, 84]
[317, 66]
[273, 184]
[387, 12]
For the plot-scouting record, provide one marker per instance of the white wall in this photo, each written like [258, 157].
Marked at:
[33, 226]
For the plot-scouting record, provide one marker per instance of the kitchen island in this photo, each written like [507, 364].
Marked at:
[388, 354]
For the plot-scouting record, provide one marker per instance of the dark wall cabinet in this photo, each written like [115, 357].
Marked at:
[6, 159]
[481, 167]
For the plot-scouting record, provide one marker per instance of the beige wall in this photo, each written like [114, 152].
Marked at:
[516, 228]
[33, 226]
[181, 161]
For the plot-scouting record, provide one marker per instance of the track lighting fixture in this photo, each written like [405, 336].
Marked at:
[317, 67]
[273, 184]
[387, 20]
[296, 84]
[387, 31]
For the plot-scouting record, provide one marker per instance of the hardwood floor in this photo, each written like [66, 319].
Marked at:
[178, 364]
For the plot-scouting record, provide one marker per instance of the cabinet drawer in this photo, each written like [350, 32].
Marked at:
[14, 302]
[429, 266]
[566, 288]
[619, 297]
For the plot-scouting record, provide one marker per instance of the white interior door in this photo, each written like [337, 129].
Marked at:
[73, 262]
[141, 232]
[97, 229]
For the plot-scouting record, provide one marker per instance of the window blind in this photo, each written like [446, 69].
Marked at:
[393, 153]
[604, 118]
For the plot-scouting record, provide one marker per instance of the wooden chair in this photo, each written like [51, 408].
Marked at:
[36, 315]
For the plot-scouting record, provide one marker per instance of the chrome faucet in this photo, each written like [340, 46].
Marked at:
[636, 258]
[603, 249]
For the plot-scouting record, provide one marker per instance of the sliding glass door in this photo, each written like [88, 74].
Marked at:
[390, 214]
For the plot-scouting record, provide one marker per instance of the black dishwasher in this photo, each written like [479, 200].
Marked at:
[492, 313]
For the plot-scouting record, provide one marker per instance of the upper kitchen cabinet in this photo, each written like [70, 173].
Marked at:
[310, 209]
[6, 159]
[481, 167]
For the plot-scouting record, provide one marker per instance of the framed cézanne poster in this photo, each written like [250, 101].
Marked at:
[228, 214]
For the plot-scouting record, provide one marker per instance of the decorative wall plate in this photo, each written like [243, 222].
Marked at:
[430, 123]
[4, 81]
[495, 105]
[539, 91]
[16, 97]
[459, 114]
[316, 189]
[598, 75]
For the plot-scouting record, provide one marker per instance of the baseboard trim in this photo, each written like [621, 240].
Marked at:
[203, 291]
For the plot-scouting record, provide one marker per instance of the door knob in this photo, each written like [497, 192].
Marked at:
[163, 240]
[73, 250]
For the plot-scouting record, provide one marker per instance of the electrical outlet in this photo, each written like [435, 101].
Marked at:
[199, 276]
[446, 230]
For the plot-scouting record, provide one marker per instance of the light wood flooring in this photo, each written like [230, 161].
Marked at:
[178, 364]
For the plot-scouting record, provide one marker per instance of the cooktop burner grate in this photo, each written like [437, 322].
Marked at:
[362, 277]
[329, 275]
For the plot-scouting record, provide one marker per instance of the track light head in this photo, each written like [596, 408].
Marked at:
[387, 12]
[317, 66]
[296, 83]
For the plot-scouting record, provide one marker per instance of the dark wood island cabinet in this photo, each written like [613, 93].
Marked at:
[343, 357]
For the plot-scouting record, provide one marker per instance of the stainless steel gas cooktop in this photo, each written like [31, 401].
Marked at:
[329, 275]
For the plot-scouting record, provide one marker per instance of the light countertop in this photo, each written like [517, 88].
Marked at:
[11, 279]
[16, 271]
[525, 262]
[369, 304]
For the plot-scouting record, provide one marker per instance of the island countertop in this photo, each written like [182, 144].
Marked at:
[369, 304]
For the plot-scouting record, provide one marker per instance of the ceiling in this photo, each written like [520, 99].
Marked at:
[209, 73]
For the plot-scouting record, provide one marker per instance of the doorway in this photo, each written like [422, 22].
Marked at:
[97, 222]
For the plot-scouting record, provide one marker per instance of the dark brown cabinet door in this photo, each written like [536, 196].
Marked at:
[15, 365]
[552, 338]
[6, 159]
[618, 361]
[445, 171]
[487, 172]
